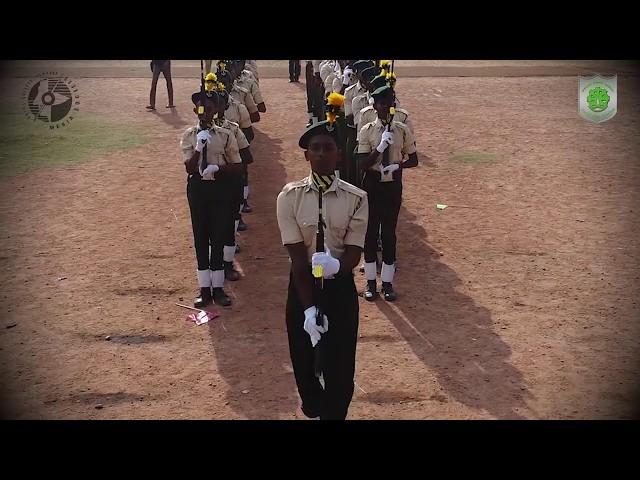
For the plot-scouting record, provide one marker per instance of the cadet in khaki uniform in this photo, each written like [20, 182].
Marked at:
[345, 210]
[350, 92]
[229, 250]
[212, 160]
[365, 100]
[362, 100]
[333, 81]
[246, 80]
[239, 93]
[224, 78]
[348, 76]
[383, 184]
[354, 90]
[369, 114]
[326, 67]
[252, 66]
[238, 113]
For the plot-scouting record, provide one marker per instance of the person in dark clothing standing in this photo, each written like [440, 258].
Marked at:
[294, 71]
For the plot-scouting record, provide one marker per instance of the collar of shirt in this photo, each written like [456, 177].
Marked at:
[379, 125]
[310, 185]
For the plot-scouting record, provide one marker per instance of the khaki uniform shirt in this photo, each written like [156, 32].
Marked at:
[349, 94]
[368, 114]
[252, 66]
[248, 82]
[370, 136]
[243, 96]
[237, 112]
[237, 132]
[345, 210]
[222, 150]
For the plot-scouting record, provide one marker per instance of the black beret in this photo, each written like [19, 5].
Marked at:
[320, 128]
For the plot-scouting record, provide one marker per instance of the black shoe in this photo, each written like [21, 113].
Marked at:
[241, 225]
[237, 248]
[310, 412]
[388, 292]
[291, 80]
[230, 273]
[246, 208]
[371, 293]
[204, 299]
[221, 298]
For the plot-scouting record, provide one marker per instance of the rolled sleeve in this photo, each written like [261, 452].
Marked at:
[363, 141]
[357, 228]
[409, 144]
[231, 150]
[245, 120]
[187, 145]
[289, 230]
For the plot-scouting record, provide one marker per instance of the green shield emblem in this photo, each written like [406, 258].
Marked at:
[598, 98]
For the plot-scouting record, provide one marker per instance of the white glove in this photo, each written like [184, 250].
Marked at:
[204, 137]
[346, 76]
[387, 139]
[209, 172]
[330, 265]
[310, 326]
[391, 168]
[371, 101]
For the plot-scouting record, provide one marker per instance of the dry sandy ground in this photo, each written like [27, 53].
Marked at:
[524, 306]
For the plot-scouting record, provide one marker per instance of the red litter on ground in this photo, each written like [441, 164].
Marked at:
[201, 317]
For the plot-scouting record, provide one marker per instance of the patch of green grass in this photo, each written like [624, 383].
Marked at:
[475, 157]
[26, 145]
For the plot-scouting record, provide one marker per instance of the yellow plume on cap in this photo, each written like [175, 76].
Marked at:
[335, 99]
[391, 79]
[385, 64]
[210, 80]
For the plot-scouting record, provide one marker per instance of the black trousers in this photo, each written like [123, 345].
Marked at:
[337, 347]
[351, 173]
[236, 192]
[245, 175]
[294, 69]
[210, 210]
[385, 199]
[310, 86]
[315, 94]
